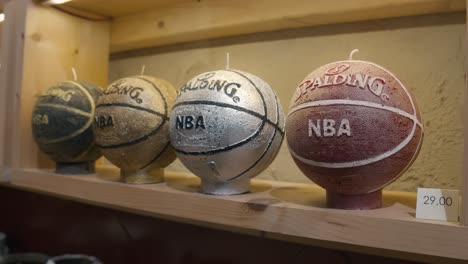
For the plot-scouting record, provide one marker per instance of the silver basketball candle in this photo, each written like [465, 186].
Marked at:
[226, 127]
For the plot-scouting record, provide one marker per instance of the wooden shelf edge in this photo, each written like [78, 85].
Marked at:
[464, 184]
[274, 209]
[202, 20]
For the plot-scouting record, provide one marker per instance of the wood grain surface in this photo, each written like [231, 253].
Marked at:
[272, 209]
[40, 50]
[185, 21]
[40, 223]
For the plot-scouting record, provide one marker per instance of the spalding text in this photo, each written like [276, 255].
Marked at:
[206, 81]
[61, 93]
[119, 87]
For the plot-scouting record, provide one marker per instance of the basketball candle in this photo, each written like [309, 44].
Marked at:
[132, 127]
[62, 126]
[353, 127]
[226, 127]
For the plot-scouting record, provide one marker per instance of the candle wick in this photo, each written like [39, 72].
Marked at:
[143, 69]
[227, 60]
[352, 53]
[75, 76]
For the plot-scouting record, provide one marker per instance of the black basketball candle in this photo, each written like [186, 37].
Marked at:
[62, 126]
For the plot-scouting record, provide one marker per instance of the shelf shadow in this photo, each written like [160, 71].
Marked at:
[302, 195]
[384, 24]
[316, 197]
[108, 174]
[192, 184]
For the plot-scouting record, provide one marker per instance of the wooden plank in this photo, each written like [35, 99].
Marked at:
[464, 187]
[201, 20]
[11, 55]
[418, 258]
[81, 13]
[115, 8]
[2, 105]
[54, 42]
[276, 209]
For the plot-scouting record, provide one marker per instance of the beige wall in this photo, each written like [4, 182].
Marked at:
[0, 40]
[425, 52]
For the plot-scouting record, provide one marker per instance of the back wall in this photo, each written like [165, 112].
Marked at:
[426, 52]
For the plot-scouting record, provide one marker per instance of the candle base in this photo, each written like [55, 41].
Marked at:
[69, 259]
[365, 201]
[225, 188]
[86, 167]
[142, 176]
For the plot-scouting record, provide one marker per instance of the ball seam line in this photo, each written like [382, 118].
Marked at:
[265, 109]
[66, 108]
[158, 90]
[409, 97]
[234, 107]
[391, 74]
[356, 103]
[87, 93]
[87, 125]
[133, 107]
[239, 143]
[229, 147]
[417, 121]
[357, 163]
[157, 155]
[86, 152]
[144, 137]
[265, 151]
[135, 141]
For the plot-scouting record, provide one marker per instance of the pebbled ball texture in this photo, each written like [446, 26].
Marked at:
[62, 122]
[353, 127]
[131, 123]
[226, 126]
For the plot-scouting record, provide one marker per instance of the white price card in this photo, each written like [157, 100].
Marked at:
[437, 204]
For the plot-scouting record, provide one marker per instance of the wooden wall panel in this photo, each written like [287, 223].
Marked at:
[464, 184]
[11, 55]
[54, 42]
[208, 19]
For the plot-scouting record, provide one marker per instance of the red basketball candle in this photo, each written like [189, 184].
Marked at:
[353, 127]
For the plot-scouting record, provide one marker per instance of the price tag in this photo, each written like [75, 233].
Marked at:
[437, 204]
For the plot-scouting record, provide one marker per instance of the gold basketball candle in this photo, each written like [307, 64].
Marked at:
[132, 127]
[353, 127]
[226, 126]
[62, 126]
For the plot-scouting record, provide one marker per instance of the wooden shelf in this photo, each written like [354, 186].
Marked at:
[33, 36]
[279, 210]
[147, 23]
